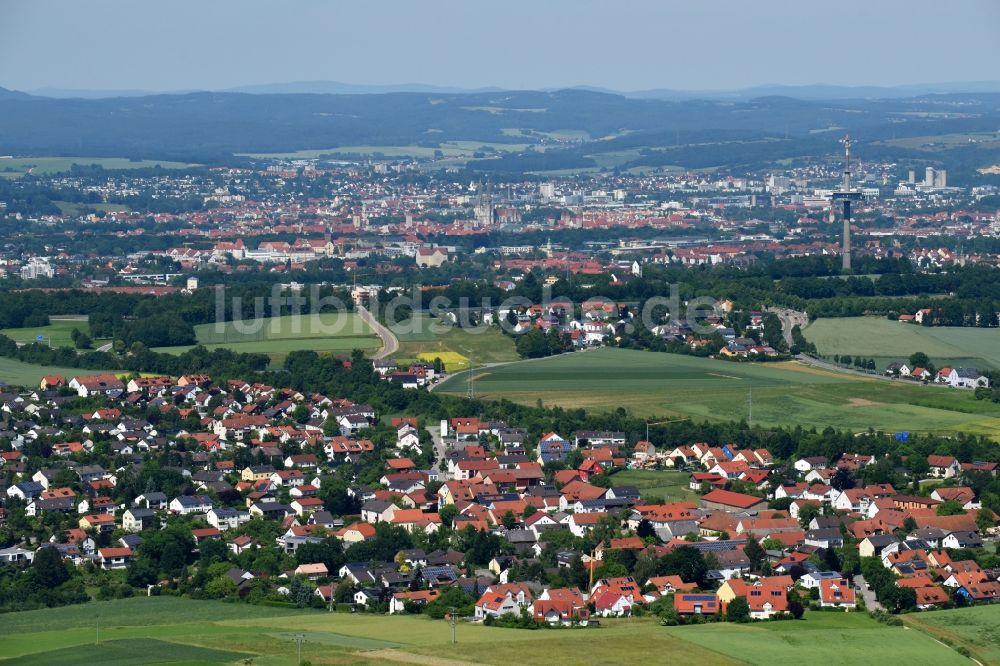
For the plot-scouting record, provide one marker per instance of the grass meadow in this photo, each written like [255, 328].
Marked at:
[165, 630]
[277, 336]
[666, 484]
[888, 341]
[18, 166]
[831, 637]
[977, 629]
[657, 385]
[59, 331]
[423, 338]
[17, 373]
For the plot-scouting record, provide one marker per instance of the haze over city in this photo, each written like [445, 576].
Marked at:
[521, 44]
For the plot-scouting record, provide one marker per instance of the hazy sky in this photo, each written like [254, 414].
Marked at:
[620, 44]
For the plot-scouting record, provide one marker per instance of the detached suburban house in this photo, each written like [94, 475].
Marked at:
[114, 558]
[943, 467]
[499, 600]
[97, 385]
[186, 504]
[836, 593]
[967, 378]
[696, 604]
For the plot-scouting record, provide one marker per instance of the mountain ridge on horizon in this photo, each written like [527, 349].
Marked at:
[816, 91]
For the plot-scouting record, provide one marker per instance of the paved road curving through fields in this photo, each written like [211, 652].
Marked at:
[390, 343]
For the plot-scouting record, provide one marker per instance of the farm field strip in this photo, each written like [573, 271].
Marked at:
[59, 330]
[422, 338]
[162, 630]
[788, 394]
[324, 325]
[48, 165]
[276, 336]
[892, 340]
[18, 373]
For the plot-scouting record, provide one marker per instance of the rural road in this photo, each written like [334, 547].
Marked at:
[826, 365]
[390, 344]
[789, 320]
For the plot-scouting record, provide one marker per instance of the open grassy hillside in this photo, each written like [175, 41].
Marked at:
[165, 630]
[423, 338]
[277, 336]
[17, 373]
[18, 166]
[888, 341]
[789, 393]
[58, 332]
[976, 629]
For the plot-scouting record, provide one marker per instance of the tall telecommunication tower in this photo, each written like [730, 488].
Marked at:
[846, 195]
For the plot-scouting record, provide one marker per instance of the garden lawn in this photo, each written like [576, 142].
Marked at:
[669, 485]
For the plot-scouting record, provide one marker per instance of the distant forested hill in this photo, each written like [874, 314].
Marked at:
[212, 126]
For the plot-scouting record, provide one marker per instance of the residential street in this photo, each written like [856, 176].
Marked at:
[440, 448]
[871, 603]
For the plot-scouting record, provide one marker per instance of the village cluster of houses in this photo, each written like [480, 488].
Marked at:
[602, 321]
[963, 378]
[500, 487]
[925, 316]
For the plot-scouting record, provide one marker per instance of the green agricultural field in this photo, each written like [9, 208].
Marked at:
[71, 208]
[128, 652]
[941, 142]
[305, 327]
[173, 626]
[389, 152]
[46, 165]
[17, 373]
[277, 336]
[974, 628]
[147, 630]
[844, 638]
[666, 484]
[888, 340]
[788, 394]
[59, 330]
[452, 152]
[422, 337]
